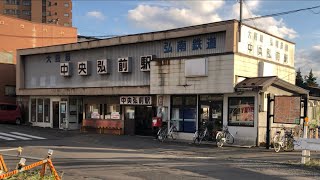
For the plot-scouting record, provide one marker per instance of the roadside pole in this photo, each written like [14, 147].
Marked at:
[305, 153]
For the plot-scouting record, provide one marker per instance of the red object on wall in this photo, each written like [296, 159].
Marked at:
[156, 122]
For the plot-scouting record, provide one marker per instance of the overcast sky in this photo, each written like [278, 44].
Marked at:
[121, 17]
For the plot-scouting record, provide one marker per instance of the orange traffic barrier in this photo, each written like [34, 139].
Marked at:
[22, 167]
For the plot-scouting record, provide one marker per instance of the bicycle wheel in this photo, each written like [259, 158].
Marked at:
[219, 139]
[229, 138]
[162, 134]
[174, 133]
[289, 146]
[276, 143]
[196, 137]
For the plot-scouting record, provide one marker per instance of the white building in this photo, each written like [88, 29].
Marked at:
[190, 72]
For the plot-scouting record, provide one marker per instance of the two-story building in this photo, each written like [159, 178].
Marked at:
[192, 74]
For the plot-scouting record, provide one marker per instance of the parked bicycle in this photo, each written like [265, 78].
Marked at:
[285, 141]
[164, 132]
[224, 136]
[203, 134]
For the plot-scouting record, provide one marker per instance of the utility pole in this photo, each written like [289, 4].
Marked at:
[240, 21]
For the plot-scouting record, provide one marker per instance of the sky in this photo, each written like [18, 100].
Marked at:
[122, 17]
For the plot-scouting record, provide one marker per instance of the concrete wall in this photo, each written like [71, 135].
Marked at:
[170, 79]
[253, 67]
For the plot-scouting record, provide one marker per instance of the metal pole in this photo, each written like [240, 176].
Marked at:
[268, 121]
[240, 21]
[305, 153]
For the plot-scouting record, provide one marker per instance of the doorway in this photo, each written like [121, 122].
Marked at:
[210, 113]
[129, 122]
[63, 115]
[55, 114]
[143, 120]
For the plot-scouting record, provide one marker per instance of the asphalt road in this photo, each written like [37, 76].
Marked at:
[97, 156]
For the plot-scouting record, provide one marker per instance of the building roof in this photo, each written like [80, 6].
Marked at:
[262, 83]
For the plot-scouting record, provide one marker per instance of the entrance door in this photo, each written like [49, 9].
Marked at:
[211, 115]
[55, 112]
[143, 120]
[129, 123]
[63, 115]
[216, 114]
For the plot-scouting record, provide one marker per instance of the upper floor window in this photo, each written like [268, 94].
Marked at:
[26, 2]
[13, 2]
[66, 4]
[66, 14]
[26, 12]
[66, 24]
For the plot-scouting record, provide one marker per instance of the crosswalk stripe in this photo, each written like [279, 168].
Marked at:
[27, 135]
[14, 136]
[6, 138]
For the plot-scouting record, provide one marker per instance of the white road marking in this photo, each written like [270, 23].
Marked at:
[14, 136]
[6, 138]
[27, 135]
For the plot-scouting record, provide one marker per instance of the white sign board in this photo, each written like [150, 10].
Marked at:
[83, 68]
[145, 63]
[135, 100]
[124, 64]
[307, 144]
[102, 66]
[65, 69]
[115, 115]
[262, 45]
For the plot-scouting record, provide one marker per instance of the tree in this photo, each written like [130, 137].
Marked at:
[299, 79]
[311, 80]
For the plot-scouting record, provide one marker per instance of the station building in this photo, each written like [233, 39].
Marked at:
[189, 75]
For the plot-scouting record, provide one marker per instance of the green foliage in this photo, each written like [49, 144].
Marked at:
[308, 81]
[31, 175]
[299, 79]
[311, 80]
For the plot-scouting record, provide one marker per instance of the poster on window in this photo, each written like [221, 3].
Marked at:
[287, 109]
[241, 111]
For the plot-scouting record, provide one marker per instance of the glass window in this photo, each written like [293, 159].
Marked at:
[241, 111]
[66, 24]
[93, 111]
[33, 110]
[176, 101]
[10, 90]
[47, 110]
[66, 4]
[111, 111]
[26, 2]
[40, 110]
[191, 101]
[66, 14]
[26, 12]
[183, 113]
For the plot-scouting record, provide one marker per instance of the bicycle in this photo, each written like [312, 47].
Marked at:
[202, 134]
[163, 133]
[224, 136]
[285, 142]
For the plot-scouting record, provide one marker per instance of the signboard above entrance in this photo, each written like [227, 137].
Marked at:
[135, 100]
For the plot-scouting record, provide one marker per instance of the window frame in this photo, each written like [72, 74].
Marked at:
[241, 124]
[182, 107]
